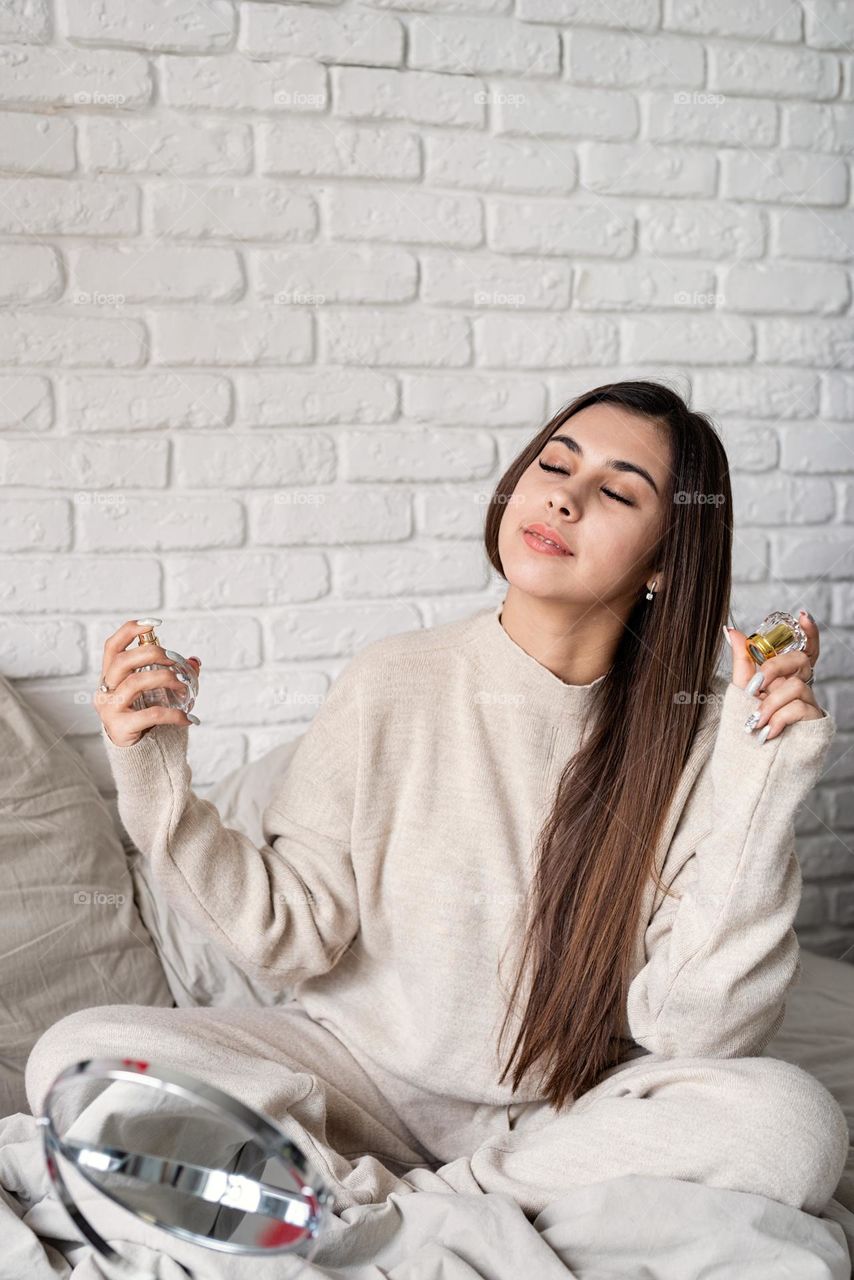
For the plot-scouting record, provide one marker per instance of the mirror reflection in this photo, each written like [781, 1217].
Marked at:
[185, 1157]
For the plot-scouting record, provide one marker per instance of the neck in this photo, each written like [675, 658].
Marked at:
[577, 643]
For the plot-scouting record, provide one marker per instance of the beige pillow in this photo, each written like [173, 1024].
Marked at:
[71, 934]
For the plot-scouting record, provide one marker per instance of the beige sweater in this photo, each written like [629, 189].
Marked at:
[400, 846]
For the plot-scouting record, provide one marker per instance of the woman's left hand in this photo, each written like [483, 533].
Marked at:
[784, 695]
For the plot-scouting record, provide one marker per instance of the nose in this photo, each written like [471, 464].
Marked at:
[563, 508]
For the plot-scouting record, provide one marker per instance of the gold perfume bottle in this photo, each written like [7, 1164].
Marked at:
[776, 634]
[183, 669]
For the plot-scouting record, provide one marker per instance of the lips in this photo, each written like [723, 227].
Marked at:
[546, 531]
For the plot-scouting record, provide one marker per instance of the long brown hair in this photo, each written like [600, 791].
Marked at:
[596, 849]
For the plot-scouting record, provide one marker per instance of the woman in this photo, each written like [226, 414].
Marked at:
[546, 819]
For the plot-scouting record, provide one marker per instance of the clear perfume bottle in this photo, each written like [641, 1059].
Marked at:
[183, 669]
[778, 633]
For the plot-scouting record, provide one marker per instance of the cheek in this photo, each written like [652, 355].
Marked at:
[611, 549]
[518, 509]
[505, 536]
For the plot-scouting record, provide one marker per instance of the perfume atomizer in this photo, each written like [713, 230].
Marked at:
[184, 670]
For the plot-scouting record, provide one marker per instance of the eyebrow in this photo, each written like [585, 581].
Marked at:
[616, 464]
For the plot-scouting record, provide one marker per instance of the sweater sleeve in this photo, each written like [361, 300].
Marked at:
[284, 911]
[721, 958]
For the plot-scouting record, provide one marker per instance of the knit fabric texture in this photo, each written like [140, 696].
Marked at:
[390, 891]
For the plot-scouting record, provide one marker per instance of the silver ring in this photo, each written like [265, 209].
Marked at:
[811, 676]
[104, 688]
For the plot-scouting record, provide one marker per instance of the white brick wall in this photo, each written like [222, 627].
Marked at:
[286, 286]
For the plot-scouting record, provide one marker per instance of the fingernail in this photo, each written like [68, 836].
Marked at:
[727, 636]
[807, 614]
[193, 719]
[762, 735]
[752, 721]
[755, 683]
[193, 658]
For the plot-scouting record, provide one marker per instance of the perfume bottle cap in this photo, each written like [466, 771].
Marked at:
[147, 636]
[778, 633]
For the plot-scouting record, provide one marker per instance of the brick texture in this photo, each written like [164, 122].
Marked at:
[286, 286]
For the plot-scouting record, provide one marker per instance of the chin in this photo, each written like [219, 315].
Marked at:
[534, 579]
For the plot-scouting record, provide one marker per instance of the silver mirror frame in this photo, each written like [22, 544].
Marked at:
[264, 1130]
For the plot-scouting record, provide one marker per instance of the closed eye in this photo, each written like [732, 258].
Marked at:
[628, 502]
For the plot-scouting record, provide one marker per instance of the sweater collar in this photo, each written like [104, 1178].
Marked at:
[514, 670]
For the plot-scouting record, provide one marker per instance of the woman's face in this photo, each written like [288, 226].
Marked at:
[609, 518]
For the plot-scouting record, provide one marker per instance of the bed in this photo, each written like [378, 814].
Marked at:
[84, 926]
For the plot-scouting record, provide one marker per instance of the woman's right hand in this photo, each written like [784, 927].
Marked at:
[125, 726]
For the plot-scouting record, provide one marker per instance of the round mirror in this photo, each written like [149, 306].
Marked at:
[184, 1156]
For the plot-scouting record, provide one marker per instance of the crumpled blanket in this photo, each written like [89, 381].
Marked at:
[630, 1228]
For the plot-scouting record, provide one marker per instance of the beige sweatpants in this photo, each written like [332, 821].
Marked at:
[749, 1124]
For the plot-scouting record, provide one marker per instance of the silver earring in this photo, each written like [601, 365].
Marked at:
[649, 592]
